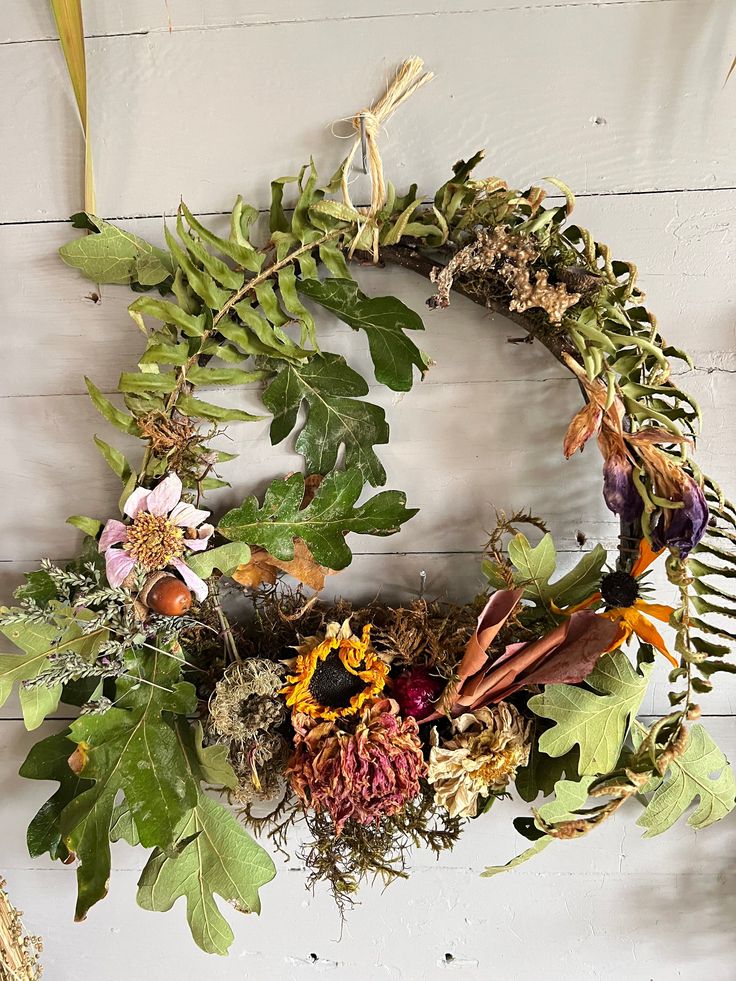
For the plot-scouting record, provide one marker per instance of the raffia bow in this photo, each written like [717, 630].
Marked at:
[409, 77]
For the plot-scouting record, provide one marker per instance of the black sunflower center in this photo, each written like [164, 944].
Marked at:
[619, 589]
[332, 685]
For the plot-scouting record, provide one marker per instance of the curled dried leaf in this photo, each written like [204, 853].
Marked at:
[264, 568]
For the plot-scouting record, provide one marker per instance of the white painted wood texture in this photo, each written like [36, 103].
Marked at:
[625, 100]
[614, 96]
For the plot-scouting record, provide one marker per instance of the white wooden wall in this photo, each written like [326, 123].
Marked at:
[625, 100]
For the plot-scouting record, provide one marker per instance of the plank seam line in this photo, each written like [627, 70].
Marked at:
[581, 195]
[404, 553]
[252, 386]
[284, 21]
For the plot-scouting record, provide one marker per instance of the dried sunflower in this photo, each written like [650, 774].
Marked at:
[334, 678]
[621, 592]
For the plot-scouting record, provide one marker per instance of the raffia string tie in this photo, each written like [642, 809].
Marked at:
[409, 77]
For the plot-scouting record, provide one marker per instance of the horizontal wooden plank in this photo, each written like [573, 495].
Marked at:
[682, 245]
[99, 338]
[507, 458]
[490, 840]
[31, 20]
[624, 136]
[205, 99]
[443, 922]
[394, 577]
[588, 905]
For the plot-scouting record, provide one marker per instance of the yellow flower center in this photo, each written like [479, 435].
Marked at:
[497, 768]
[154, 541]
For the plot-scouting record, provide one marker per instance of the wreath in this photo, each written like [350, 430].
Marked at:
[376, 728]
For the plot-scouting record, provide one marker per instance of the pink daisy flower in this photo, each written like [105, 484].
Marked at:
[162, 529]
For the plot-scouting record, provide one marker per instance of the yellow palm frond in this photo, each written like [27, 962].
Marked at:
[70, 24]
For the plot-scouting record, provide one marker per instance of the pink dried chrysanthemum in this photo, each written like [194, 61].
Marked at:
[364, 775]
[163, 529]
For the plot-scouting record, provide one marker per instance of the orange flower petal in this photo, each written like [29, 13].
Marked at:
[620, 614]
[657, 610]
[569, 610]
[647, 632]
[646, 556]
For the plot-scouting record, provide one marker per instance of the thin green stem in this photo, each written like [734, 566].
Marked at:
[227, 634]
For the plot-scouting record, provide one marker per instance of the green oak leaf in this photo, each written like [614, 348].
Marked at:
[226, 558]
[213, 855]
[701, 772]
[37, 641]
[322, 524]
[40, 641]
[383, 318]
[581, 581]
[337, 416]
[112, 255]
[209, 764]
[598, 720]
[38, 703]
[49, 760]
[535, 565]
[133, 749]
[570, 796]
[122, 825]
[90, 526]
[38, 587]
[542, 771]
[494, 573]
[217, 856]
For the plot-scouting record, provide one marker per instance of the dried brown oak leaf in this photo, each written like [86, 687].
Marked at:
[264, 568]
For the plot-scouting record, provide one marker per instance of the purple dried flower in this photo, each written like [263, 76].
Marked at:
[682, 528]
[619, 490]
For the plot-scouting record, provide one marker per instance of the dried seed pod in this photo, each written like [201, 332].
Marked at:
[167, 595]
[577, 279]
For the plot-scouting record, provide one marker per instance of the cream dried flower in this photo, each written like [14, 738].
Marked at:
[486, 748]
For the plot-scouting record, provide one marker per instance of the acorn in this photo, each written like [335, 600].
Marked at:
[166, 595]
